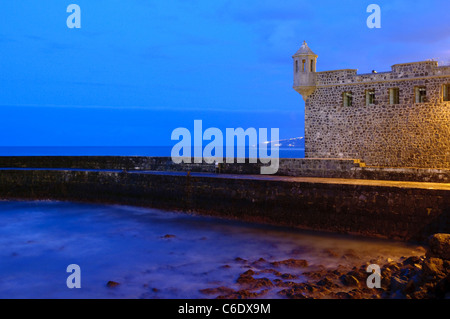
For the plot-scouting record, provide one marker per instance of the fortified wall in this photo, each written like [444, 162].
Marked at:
[297, 197]
[393, 119]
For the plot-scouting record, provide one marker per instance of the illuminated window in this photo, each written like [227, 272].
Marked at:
[370, 97]
[394, 96]
[303, 65]
[347, 98]
[447, 92]
[420, 94]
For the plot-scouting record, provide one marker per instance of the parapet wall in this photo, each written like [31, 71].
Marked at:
[404, 71]
[297, 167]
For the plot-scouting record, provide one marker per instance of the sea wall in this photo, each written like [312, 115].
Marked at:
[306, 167]
[404, 212]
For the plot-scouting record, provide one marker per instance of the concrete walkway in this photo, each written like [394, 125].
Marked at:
[342, 181]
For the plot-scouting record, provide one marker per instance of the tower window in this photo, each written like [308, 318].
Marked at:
[348, 98]
[394, 96]
[447, 92]
[303, 65]
[420, 94]
[370, 97]
[296, 65]
[312, 66]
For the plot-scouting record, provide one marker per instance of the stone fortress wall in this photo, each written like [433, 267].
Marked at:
[407, 134]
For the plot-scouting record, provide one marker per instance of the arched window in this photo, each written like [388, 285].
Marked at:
[303, 65]
[312, 66]
[296, 66]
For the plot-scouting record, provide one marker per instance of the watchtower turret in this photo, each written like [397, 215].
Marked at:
[305, 71]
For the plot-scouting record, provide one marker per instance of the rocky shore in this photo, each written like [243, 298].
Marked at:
[413, 277]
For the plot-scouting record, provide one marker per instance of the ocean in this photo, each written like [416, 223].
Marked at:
[153, 253]
[115, 151]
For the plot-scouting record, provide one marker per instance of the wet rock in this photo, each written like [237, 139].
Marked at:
[292, 294]
[299, 291]
[245, 279]
[413, 260]
[240, 260]
[397, 284]
[316, 275]
[434, 268]
[244, 294]
[270, 271]
[410, 287]
[327, 283]
[439, 246]
[361, 274]
[292, 263]
[391, 267]
[253, 283]
[443, 288]
[341, 295]
[217, 291]
[249, 272]
[259, 262]
[349, 280]
[112, 284]
[262, 282]
[278, 283]
[288, 276]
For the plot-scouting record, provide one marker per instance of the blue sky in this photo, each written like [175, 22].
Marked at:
[138, 69]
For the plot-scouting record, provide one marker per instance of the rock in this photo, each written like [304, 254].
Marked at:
[218, 290]
[168, 236]
[270, 271]
[412, 260]
[410, 287]
[398, 284]
[443, 287]
[243, 294]
[288, 276]
[240, 260]
[327, 283]
[342, 295]
[439, 246]
[249, 272]
[360, 275]
[292, 263]
[259, 262]
[112, 284]
[349, 280]
[253, 283]
[292, 294]
[317, 275]
[434, 268]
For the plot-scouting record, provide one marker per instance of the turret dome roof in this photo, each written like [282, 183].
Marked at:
[305, 50]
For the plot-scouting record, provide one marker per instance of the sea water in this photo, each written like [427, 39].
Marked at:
[151, 253]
